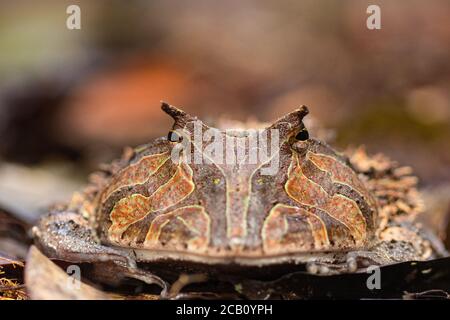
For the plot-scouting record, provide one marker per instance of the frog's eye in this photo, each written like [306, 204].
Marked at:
[174, 137]
[302, 135]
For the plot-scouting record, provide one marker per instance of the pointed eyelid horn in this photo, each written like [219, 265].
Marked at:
[285, 124]
[290, 121]
[181, 118]
[175, 113]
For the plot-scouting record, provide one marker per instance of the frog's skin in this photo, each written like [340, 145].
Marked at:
[318, 211]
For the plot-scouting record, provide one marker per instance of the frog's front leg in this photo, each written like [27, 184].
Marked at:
[67, 236]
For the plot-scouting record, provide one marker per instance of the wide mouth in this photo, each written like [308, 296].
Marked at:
[169, 265]
[146, 255]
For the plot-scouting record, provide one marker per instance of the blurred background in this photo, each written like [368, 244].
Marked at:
[71, 99]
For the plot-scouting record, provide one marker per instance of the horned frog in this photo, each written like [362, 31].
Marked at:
[151, 214]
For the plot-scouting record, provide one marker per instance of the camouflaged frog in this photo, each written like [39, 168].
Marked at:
[147, 216]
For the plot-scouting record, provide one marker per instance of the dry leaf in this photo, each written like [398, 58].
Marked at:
[46, 281]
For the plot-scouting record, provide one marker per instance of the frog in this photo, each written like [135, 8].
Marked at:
[156, 213]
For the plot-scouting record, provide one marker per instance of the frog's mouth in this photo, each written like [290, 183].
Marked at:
[260, 268]
[157, 256]
[192, 263]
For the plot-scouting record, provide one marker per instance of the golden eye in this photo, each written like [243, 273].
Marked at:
[302, 135]
[174, 137]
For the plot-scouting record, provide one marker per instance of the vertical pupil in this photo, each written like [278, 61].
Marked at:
[173, 136]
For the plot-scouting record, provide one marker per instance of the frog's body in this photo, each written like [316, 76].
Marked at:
[149, 207]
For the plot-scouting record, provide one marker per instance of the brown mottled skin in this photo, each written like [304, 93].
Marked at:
[147, 208]
[314, 195]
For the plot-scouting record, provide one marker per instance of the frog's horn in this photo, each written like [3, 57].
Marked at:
[180, 117]
[174, 112]
[291, 121]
